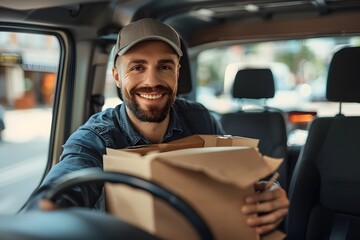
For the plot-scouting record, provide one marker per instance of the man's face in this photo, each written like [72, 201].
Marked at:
[147, 75]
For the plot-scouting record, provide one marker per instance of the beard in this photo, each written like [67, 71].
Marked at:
[154, 114]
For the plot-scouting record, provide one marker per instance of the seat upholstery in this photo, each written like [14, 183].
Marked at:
[324, 191]
[267, 125]
[185, 77]
[254, 83]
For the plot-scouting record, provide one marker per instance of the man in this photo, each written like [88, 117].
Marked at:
[146, 69]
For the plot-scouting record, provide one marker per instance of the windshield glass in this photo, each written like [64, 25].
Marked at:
[299, 68]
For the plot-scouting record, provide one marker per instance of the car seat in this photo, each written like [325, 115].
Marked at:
[260, 122]
[324, 191]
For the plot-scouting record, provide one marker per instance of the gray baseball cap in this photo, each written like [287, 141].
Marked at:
[143, 30]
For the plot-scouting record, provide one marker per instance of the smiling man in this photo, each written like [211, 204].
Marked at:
[147, 76]
[146, 69]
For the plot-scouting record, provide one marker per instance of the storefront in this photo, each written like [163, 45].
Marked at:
[25, 85]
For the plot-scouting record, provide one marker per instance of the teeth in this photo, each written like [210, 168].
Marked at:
[151, 96]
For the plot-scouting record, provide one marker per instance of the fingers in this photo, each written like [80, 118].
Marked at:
[267, 222]
[265, 202]
[47, 205]
[266, 210]
[275, 195]
[267, 228]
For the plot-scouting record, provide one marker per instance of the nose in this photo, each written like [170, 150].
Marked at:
[152, 77]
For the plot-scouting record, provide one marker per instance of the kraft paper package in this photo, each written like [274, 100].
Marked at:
[212, 173]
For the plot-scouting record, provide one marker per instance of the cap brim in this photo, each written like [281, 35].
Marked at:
[155, 37]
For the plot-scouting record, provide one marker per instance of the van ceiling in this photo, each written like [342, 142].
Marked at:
[105, 17]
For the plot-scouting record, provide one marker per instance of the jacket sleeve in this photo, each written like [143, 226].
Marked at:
[84, 149]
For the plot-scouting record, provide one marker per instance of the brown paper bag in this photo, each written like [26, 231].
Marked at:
[212, 173]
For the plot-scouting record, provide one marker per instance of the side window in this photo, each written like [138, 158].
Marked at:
[28, 74]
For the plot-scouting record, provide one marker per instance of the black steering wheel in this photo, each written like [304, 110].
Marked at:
[95, 175]
[84, 223]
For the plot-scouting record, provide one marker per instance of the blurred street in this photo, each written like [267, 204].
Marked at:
[23, 155]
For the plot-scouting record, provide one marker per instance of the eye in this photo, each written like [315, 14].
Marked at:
[166, 67]
[137, 68]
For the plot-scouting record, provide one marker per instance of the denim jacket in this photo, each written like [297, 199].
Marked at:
[112, 128]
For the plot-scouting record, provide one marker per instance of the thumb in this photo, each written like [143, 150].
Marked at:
[47, 205]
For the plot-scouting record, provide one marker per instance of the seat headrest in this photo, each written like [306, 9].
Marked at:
[185, 80]
[254, 83]
[343, 82]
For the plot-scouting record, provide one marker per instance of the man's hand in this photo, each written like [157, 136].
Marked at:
[271, 206]
[47, 205]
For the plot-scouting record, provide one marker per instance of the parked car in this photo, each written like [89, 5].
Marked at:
[56, 73]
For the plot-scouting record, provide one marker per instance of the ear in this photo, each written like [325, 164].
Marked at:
[116, 76]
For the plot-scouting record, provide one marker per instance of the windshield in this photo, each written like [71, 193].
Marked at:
[299, 68]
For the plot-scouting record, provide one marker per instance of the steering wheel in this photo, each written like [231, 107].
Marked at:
[84, 223]
[95, 175]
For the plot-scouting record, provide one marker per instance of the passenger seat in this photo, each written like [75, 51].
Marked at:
[324, 192]
[258, 121]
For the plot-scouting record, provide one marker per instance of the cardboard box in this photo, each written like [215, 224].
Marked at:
[212, 173]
